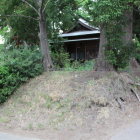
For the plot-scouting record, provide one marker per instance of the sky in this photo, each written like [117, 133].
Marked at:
[1, 40]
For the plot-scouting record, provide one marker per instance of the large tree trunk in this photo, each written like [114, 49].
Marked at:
[102, 64]
[47, 62]
[40, 10]
[128, 29]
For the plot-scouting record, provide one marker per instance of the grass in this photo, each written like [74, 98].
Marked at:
[40, 126]
[90, 82]
[4, 120]
[30, 126]
[78, 66]
[57, 100]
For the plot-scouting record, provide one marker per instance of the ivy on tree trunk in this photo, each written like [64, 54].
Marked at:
[101, 63]
[115, 19]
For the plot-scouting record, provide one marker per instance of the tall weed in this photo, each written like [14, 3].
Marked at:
[80, 66]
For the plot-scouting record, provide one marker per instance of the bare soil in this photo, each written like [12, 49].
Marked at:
[62, 105]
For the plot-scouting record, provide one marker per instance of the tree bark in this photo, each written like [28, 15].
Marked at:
[47, 62]
[133, 63]
[128, 29]
[40, 10]
[101, 63]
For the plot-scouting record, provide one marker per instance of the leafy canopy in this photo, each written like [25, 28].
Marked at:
[61, 15]
[113, 17]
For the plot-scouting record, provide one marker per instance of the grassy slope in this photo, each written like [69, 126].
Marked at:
[66, 100]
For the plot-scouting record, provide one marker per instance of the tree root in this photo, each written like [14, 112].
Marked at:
[121, 104]
[135, 94]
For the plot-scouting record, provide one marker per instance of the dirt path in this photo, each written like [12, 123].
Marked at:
[130, 133]
[102, 131]
[6, 136]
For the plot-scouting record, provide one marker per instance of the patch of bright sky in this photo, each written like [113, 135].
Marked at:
[1, 40]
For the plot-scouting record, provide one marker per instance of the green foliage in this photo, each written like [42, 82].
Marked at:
[104, 11]
[26, 60]
[23, 27]
[1, 46]
[118, 51]
[111, 57]
[60, 15]
[112, 16]
[137, 48]
[60, 58]
[81, 2]
[8, 82]
[80, 66]
[120, 57]
[19, 65]
[3, 32]
[6, 33]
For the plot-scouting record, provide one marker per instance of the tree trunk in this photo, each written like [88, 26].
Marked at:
[134, 64]
[128, 29]
[47, 62]
[102, 64]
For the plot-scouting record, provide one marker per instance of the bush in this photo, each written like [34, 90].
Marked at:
[27, 61]
[120, 57]
[80, 65]
[60, 58]
[8, 83]
[137, 55]
[20, 64]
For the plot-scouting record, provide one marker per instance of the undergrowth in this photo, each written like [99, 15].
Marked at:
[62, 61]
[79, 66]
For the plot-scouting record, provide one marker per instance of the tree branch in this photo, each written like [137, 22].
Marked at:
[80, 2]
[46, 5]
[41, 7]
[30, 6]
[35, 1]
[135, 94]
[18, 16]
[136, 10]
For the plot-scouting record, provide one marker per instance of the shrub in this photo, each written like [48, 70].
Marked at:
[120, 56]
[20, 64]
[80, 65]
[60, 58]
[25, 60]
[8, 83]
[137, 43]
